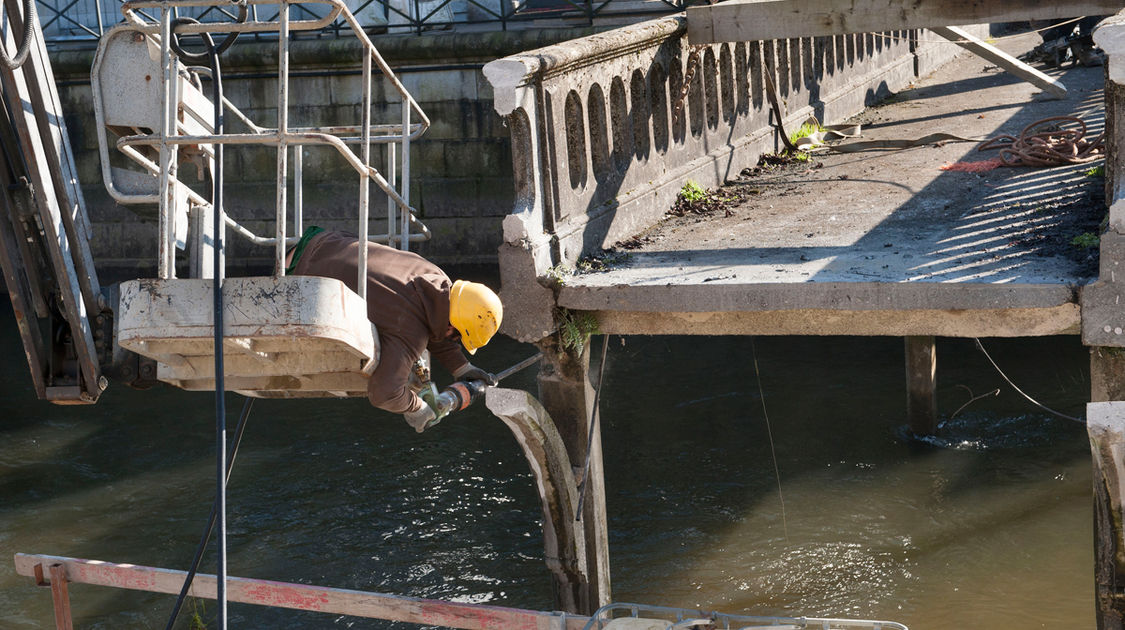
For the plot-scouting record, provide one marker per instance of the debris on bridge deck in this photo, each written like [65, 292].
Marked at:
[881, 230]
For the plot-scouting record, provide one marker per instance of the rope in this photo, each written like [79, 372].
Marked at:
[29, 20]
[769, 432]
[1045, 143]
[689, 76]
[980, 346]
[590, 435]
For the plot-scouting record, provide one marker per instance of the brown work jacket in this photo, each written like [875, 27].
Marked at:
[407, 300]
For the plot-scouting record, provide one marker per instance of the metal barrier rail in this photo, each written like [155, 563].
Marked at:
[57, 572]
[67, 21]
[175, 133]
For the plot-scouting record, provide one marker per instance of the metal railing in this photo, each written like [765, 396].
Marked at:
[76, 21]
[182, 126]
[57, 572]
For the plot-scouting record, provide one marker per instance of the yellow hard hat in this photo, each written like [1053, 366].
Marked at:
[475, 311]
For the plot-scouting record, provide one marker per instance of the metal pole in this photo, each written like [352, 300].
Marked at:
[98, 8]
[392, 207]
[282, 131]
[364, 180]
[404, 186]
[166, 223]
[298, 189]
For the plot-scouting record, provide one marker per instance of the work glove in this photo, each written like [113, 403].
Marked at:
[420, 419]
[470, 372]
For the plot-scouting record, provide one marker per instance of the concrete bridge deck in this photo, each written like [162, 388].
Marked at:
[880, 242]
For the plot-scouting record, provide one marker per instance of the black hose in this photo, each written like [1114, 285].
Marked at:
[205, 56]
[222, 468]
[29, 20]
[217, 319]
[243, 417]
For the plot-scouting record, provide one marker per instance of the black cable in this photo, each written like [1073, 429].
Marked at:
[205, 56]
[210, 519]
[29, 20]
[217, 310]
[222, 468]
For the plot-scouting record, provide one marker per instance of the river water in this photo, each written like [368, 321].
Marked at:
[986, 525]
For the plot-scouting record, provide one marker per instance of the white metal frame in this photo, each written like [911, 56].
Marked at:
[402, 225]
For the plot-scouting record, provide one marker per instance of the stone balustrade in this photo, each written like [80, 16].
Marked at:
[601, 145]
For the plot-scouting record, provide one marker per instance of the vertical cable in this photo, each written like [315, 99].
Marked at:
[220, 385]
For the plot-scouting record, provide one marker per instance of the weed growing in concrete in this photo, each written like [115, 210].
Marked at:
[694, 199]
[692, 192]
[1085, 240]
[601, 261]
[1097, 171]
[805, 131]
[557, 275]
[575, 328]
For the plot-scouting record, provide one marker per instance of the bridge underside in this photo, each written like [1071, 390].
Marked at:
[879, 242]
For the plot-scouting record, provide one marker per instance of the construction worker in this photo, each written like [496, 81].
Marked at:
[1068, 40]
[414, 306]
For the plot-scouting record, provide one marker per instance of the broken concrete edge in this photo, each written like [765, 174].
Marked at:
[1105, 426]
[1110, 37]
[546, 454]
[1103, 319]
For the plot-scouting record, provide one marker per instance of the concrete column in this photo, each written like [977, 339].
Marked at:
[566, 394]
[563, 536]
[1106, 427]
[921, 384]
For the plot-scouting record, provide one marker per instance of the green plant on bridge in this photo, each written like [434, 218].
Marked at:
[575, 329]
[805, 131]
[558, 275]
[693, 192]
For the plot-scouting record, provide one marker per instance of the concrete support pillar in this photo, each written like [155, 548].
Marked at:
[566, 394]
[563, 537]
[921, 384]
[1106, 427]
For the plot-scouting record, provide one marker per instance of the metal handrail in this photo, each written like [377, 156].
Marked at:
[174, 134]
[75, 21]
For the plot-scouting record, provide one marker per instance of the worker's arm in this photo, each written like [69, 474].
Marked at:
[387, 388]
[448, 353]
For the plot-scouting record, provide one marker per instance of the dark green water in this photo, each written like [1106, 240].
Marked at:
[986, 525]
